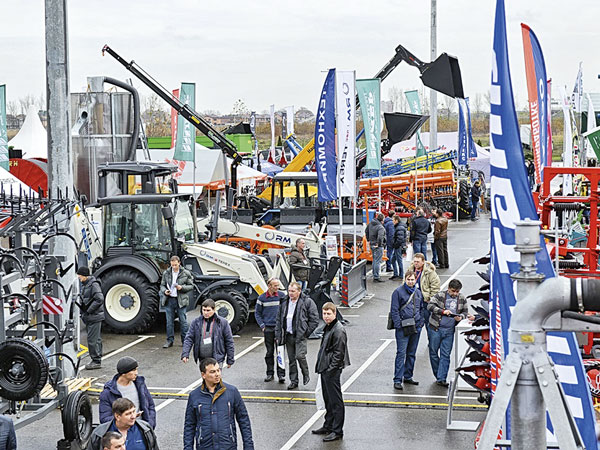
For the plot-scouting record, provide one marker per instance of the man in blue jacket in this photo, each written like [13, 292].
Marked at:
[408, 321]
[211, 337]
[388, 224]
[265, 312]
[127, 384]
[420, 227]
[211, 412]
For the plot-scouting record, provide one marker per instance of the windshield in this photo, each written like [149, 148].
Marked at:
[184, 221]
[151, 235]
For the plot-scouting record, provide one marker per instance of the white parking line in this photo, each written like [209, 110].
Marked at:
[310, 422]
[467, 262]
[197, 383]
[125, 347]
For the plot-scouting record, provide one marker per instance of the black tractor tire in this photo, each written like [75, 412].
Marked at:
[231, 305]
[464, 210]
[23, 369]
[77, 418]
[130, 301]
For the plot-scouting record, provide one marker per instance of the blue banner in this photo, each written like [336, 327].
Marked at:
[511, 201]
[463, 142]
[535, 70]
[472, 148]
[325, 159]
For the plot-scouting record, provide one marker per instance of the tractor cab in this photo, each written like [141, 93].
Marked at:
[294, 200]
[143, 214]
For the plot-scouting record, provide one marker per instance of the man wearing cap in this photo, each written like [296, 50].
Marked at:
[92, 314]
[127, 384]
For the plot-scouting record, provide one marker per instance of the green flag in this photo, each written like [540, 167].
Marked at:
[369, 94]
[414, 103]
[186, 132]
[3, 136]
[593, 137]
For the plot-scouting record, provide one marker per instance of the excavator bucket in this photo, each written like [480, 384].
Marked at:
[443, 75]
[402, 126]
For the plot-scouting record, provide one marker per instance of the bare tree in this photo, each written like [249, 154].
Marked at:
[397, 98]
[156, 119]
[487, 98]
[12, 109]
[40, 102]
[478, 103]
[25, 103]
[449, 104]
[240, 108]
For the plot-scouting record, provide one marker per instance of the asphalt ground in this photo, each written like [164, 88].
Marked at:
[377, 416]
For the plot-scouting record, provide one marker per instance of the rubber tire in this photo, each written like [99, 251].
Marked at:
[238, 303]
[147, 292]
[35, 363]
[464, 210]
[77, 418]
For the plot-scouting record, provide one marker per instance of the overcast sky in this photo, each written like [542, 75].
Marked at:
[271, 51]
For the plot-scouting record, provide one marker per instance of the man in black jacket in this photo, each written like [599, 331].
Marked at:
[332, 359]
[92, 314]
[8, 438]
[296, 320]
[376, 236]
[475, 195]
[399, 249]
[419, 229]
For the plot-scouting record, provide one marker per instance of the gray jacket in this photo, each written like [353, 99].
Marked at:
[95, 441]
[92, 301]
[376, 234]
[185, 279]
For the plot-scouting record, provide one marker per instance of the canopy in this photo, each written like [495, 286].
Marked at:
[447, 142]
[32, 138]
[9, 184]
[210, 168]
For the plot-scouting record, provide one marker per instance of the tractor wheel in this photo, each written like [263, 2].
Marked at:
[464, 210]
[77, 418]
[130, 301]
[23, 369]
[231, 305]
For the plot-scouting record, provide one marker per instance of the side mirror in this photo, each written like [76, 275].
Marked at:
[167, 212]
[83, 199]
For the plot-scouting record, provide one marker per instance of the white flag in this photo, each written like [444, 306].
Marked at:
[345, 94]
[290, 119]
[272, 150]
[577, 95]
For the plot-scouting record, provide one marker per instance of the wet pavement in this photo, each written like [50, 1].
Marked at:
[377, 416]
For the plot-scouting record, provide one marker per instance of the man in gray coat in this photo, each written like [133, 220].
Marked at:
[296, 320]
[92, 314]
[377, 241]
[174, 287]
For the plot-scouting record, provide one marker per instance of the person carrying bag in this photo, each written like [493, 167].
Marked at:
[407, 319]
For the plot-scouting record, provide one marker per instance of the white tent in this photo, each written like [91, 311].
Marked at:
[32, 138]
[210, 169]
[447, 141]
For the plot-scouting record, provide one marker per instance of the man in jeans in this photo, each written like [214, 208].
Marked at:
[174, 287]
[447, 308]
[419, 229]
[376, 235]
[92, 314]
[265, 312]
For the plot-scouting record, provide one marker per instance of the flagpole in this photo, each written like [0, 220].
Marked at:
[194, 212]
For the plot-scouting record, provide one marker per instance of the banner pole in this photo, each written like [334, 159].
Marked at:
[194, 212]
[457, 187]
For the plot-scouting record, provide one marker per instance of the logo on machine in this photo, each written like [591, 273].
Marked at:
[271, 236]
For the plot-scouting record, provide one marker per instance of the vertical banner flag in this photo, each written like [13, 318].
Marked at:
[369, 94]
[414, 103]
[549, 116]
[591, 124]
[463, 141]
[325, 141]
[345, 99]
[535, 71]
[186, 132]
[284, 130]
[174, 117]
[253, 131]
[290, 119]
[577, 94]
[567, 140]
[4, 161]
[472, 148]
[511, 201]
[272, 149]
